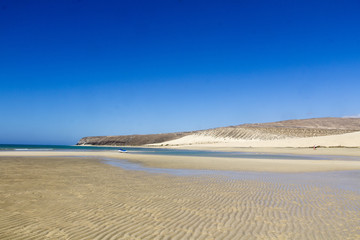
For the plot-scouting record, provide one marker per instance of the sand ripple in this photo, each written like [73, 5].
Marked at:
[67, 198]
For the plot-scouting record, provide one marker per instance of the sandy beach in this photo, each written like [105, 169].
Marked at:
[67, 195]
[338, 163]
[328, 151]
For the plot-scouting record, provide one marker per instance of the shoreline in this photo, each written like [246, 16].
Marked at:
[211, 163]
[336, 151]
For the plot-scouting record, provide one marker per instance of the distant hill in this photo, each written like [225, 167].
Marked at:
[131, 140]
[298, 128]
[323, 123]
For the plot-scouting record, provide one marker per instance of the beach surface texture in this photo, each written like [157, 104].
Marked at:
[77, 195]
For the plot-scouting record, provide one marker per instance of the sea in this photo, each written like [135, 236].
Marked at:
[156, 151]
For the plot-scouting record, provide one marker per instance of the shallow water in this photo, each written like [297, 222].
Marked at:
[344, 180]
[27, 147]
[170, 152]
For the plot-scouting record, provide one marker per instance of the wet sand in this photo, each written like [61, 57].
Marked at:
[344, 151]
[337, 163]
[84, 198]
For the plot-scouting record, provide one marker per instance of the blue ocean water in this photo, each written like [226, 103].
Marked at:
[158, 151]
[26, 147]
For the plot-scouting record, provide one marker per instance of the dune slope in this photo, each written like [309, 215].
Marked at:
[303, 128]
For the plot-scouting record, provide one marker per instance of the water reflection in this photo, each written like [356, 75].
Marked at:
[345, 180]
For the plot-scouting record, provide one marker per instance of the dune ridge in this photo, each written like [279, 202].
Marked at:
[341, 140]
[290, 129]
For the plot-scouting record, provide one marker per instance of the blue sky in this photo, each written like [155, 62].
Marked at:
[70, 69]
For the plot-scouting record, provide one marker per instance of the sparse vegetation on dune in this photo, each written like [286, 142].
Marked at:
[302, 128]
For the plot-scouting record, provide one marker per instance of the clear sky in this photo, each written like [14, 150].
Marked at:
[70, 69]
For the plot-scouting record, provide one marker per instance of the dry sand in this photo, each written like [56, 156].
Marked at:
[344, 140]
[82, 198]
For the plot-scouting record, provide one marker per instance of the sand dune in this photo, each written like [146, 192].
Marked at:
[254, 132]
[299, 128]
[339, 140]
[315, 123]
[82, 198]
